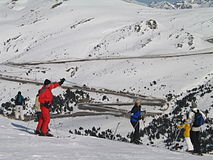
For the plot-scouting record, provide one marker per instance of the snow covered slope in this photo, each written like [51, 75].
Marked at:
[106, 44]
[60, 32]
[17, 143]
[182, 4]
[38, 31]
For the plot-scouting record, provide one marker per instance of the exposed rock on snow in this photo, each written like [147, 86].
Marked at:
[182, 4]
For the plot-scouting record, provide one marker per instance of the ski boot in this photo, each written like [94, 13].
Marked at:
[37, 132]
[46, 134]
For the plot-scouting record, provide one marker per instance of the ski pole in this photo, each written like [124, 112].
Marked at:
[136, 125]
[178, 133]
[56, 130]
[70, 82]
[116, 130]
[144, 127]
[27, 126]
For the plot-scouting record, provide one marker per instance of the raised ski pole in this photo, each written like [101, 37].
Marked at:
[70, 82]
[144, 127]
[178, 133]
[27, 126]
[116, 129]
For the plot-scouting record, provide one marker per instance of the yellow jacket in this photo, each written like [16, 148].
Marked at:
[187, 128]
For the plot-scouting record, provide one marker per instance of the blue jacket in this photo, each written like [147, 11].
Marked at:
[136, 116]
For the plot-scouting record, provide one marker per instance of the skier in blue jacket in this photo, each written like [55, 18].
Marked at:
[135, 118]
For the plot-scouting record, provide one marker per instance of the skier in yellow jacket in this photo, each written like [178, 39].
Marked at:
[187, 127]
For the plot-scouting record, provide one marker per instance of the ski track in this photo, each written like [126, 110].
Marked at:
[163, 56]
[130, 95]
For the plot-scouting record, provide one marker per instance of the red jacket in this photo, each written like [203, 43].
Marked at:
[46, 93]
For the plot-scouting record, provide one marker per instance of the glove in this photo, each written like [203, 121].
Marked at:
[61, 81]
[13, 100]
[47, 104]
[141, 118]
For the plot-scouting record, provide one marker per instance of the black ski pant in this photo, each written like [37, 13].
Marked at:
[38, 116]
[195, 138]
[136, 126]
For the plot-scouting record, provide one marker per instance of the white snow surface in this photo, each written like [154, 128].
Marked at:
[33, 31]
[18, 144]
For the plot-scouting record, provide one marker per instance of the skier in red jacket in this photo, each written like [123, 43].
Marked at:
[46, 99]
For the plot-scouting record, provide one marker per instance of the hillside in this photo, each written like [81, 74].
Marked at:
[18, 143]
[37, 32]
[110, 53]
[179, 4]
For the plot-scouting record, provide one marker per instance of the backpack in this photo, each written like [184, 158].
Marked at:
[19, 99]
[198, 119]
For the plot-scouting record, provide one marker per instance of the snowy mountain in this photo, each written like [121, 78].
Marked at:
[183, 4]
[162, 5]
[110, 53]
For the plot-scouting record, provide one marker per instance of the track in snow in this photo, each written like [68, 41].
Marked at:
[110, 59]
[103, 109]
[103, 90]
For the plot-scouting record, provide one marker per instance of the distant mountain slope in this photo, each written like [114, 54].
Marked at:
[182, 4]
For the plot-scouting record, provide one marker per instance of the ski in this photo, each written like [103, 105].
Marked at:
[60, 137]
[191, 153]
